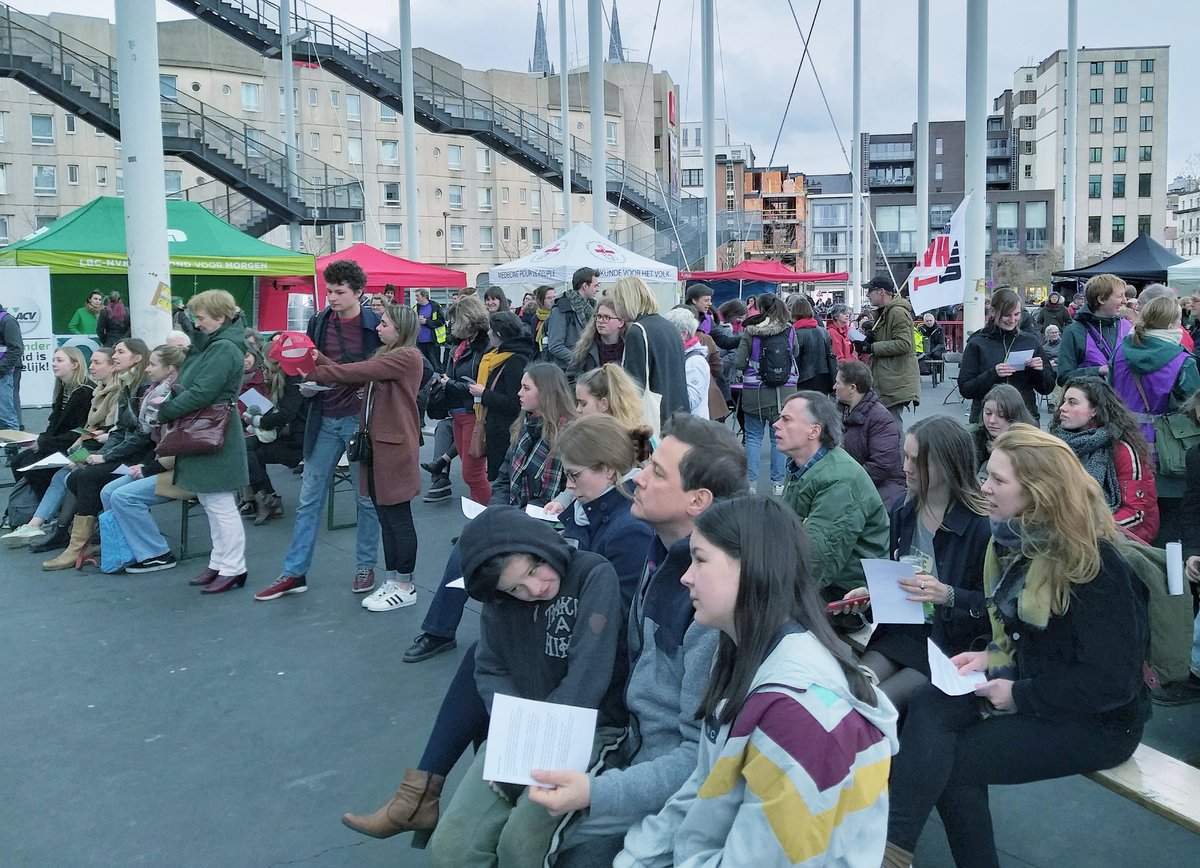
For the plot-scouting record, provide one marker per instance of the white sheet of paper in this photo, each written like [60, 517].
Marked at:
[123, 470]
[945, 677]
[55, 460]
[308, 388]
[524, 735]
[888, 603]
[470, 508]
[856, 335]
[460, 582]
[1018, 359]
[540, 514]
[11, 435]
[1175, 568]
[255, 398]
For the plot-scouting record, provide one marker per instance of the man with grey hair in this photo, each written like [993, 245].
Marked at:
[831, 492]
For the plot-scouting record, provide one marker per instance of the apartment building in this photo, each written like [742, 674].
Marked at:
[774, 196]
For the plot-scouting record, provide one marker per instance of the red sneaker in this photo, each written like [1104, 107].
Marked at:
[364, 580]
[283, 585]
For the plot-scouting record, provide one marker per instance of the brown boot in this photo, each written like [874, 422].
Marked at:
[894, 857]
[78, 549]
[267, 506]
[413, 808]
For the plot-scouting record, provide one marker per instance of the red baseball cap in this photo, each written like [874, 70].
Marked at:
[293, 351]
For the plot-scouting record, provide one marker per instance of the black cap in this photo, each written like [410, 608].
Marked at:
[880, 281]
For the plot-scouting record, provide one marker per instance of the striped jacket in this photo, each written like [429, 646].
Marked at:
[799, 778]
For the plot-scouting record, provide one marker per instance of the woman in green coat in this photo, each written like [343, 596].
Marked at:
[212, 375]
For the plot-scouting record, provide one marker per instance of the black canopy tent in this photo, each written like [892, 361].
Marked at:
[1141, 261]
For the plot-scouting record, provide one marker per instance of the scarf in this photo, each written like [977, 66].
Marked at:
[1010, 600]
[492, 360]
[542, 315]
[532, 461]
[147, 412]
[103, 412]
[691, 342]
[1094, 446]
[1171, 336]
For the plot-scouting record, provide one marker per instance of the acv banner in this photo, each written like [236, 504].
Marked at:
[25, 294]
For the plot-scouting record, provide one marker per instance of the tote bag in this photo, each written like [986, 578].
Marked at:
[651, 401]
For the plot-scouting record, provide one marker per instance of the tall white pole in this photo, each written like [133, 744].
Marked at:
[295, 241]
[922, 173]
[596, 99]
[564, 98]
[976, 162]
[709, 127]
[1069, 238]
[142, 170]
[856, 241]
[410, 131]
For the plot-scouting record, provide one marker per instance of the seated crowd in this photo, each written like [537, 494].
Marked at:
[705, 624]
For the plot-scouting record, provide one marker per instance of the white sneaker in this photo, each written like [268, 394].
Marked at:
[390, 596]
[23, 536]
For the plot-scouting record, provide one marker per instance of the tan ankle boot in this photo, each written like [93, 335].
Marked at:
[81, 534]
[894, 857]
[414, 808]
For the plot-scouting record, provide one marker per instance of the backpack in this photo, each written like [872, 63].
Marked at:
[114, 548]
[775, 359]
[1170, 617]
[23, 502]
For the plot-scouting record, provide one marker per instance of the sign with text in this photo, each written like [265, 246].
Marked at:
[25, 294]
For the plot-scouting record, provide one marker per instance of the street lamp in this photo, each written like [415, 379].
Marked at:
[446, 237]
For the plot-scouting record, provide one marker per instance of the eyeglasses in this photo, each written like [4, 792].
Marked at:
[603, 317]
[574, 475]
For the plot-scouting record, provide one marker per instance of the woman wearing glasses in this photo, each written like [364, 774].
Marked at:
[602, 340]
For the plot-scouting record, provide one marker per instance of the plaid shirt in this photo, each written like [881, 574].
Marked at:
[796, 471]
[534, 471]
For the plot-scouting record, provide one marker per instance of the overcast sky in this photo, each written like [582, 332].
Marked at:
[760, 48]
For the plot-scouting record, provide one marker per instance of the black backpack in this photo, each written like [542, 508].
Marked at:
[775, 360]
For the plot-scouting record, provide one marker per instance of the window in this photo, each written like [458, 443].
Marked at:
[535, 237]
[42, 128]
[353, 106]
[251, 97]
[391, 195]
[1120, 94]
[387, 114]
[558, 203]
[454, 155]
[1144, 224]
[1006, 227]
[173, 182]
[1145, 153]
[1096, 125]
[937, 171]
[3, 228]
[698, 143]
[1144, 182]
[1118, 229]
[693, 177]
[4, 177]
[120, 182]
[535, 201]
[354, 151]
[829, 243]
[45, 180]
[455, 199]
[611, 132]
[1118, 187]
[335, 98]
[1028, 170]
[389, 151]
[168, 86]
[337, 143]
[314, 141]
[312, 97]
[525, 233]
[1093, 230]
[102, 176]
[1095, 155]
[69, 124]
[483, 160]
[506, 233]
[1119, 154]
[1146, 124]
[504, 195]
[393, 235]
[830, 214]
[521, 195]
[487, 237]
[1147, 66]
[1147, 94]
[1121, 67]
[1096, 95]
[358, 232]
[939, 216]
[896, 225]
[44, 221]
[3, 124]
[1093, 186]
[485, 198]
[458, 237]
[1119, 125]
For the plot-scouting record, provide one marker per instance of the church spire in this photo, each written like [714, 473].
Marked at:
[616, 51]
[541, 57]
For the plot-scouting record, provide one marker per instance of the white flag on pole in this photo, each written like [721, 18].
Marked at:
[937, 281]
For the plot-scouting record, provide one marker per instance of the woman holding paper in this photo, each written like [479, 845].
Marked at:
[1002, 353]
[1070, 632]
[796, 744]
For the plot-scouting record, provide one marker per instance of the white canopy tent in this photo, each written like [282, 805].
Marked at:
[584, 247]
[1185, 277]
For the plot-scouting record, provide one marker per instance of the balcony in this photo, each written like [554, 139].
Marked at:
[998, 149]
[889, 180]
[890, 152]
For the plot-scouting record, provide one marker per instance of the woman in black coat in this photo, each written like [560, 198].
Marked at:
[501, 368]
[69, 410]
[985, 361]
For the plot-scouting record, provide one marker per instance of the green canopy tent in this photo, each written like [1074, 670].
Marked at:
[85, 251]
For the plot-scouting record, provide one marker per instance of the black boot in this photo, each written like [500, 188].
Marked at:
[437, 467]
[439, 489]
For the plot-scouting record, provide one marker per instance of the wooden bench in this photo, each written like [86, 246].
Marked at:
[1167, 786]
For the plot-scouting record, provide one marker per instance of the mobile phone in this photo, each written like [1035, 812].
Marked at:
[837, 605]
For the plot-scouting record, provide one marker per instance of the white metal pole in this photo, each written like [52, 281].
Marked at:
[922, 173]
[295, 241]
[709, 127]
[142, 170]
[1069, 238]
[976, 162]
[596, 99]
[564, 98]
[854, 292]
[410, 132]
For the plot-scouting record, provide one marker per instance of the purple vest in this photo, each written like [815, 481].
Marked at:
[1157, 385]
[1097, 352]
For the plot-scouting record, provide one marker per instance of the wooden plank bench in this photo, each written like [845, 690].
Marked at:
[1167, 786]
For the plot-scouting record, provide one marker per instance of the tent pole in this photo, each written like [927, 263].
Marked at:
[287, 70]
[1072, 133]
[596, 100]
[974, 265]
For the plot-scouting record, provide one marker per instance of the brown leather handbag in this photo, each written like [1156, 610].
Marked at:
[198, 433]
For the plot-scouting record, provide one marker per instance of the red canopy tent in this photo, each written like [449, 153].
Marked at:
[381, 268]
[766, 270]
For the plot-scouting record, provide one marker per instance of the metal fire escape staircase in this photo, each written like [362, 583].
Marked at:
[83, 80]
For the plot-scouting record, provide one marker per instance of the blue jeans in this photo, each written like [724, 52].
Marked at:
[332, 439]
[447, 607]
[129, 500]
[1196, 647]
[754, 438]
[10, 401]
[53, 498]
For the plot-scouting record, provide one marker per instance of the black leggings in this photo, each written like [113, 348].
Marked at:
[949, 755]
[259, 455]
[86, 483]
[399, 536]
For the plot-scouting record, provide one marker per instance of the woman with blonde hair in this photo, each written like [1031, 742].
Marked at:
[602, 339]
[462, 369]
[653, 348]
[608, 389]
[1063, 693]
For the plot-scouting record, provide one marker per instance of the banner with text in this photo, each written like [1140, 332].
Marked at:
[937, 281]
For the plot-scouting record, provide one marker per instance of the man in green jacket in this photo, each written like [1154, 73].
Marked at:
[831, 492]
[84, 320]
[893, 348]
